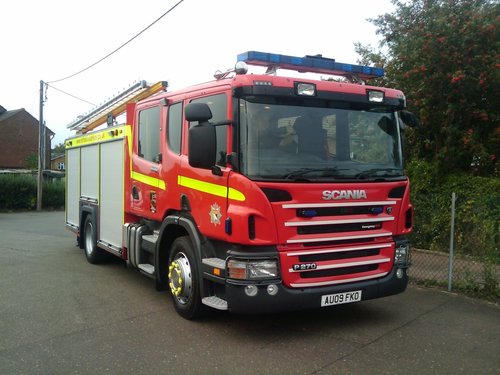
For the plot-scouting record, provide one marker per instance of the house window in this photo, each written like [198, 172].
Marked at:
[60, 166]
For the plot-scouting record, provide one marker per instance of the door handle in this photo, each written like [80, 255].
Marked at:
[135, 193]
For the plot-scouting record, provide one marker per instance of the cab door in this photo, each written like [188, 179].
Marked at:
[207, 192]
[146, 168]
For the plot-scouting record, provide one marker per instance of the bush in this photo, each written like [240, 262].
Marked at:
[54, 194]
[477, 214]
[19, 192]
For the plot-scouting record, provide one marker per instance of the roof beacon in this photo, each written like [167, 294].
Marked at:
[311, 64]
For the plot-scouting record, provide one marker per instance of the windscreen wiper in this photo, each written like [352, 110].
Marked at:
[326, 172]
[379, 172]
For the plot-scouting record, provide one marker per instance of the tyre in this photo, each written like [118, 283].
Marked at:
[94, 254]
[183, 279]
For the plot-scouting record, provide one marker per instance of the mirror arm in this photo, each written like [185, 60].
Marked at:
[216, 170]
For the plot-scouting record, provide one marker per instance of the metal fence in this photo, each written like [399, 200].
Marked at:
[470, 276]
[458, 273]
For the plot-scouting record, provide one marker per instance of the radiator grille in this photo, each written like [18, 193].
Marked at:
[335, 243]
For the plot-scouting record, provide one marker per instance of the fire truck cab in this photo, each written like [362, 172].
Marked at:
[253, 193]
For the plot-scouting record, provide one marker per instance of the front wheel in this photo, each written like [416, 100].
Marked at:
[183, 279]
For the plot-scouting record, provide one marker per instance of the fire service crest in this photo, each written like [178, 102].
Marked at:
[215, 214]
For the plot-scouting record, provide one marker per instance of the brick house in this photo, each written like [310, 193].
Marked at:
[19, 139]
[58, 162]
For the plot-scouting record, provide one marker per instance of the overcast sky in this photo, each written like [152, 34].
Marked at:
[52, 39]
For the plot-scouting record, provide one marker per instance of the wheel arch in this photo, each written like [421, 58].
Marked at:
[86, 210]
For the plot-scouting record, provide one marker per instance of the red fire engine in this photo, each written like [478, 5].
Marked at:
[253, 193]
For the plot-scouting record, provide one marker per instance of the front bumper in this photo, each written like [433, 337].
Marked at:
[288, 299]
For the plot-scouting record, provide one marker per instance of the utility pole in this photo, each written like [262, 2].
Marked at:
[41, 150]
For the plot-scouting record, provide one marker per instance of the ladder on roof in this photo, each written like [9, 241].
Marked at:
[115, 106]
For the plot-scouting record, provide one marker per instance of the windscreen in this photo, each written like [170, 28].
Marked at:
[318, 141]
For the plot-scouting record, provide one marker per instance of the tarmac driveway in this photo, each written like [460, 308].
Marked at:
[61, 315]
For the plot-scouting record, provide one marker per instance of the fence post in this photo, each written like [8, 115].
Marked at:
[452, 236]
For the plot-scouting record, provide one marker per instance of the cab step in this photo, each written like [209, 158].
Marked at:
[148, 269]
[214, 262]
[215, 302]
[149, 242]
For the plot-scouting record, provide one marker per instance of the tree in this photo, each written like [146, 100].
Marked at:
[444, 54]
[31, 161]
[59, 149]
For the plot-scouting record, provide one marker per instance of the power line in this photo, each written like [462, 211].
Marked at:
[64, 92]
[120, 47]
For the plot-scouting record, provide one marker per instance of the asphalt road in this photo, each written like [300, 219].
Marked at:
[61, 315]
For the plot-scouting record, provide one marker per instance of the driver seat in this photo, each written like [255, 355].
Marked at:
[311, 137]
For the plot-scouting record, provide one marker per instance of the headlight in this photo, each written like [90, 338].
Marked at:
[245, 269]
[402, 255]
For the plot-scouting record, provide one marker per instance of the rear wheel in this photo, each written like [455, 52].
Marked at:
[183, 279]
[94, 254]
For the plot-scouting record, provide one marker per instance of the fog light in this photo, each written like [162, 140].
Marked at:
[399, 273]
[251, 290]
[272, 289]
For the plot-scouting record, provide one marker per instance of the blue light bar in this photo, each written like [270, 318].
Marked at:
[311, 64]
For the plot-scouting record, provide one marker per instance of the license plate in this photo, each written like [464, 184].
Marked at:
[340, 298]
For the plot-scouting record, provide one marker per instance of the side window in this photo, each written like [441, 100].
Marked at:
[175, 127]
[218, 106]
[149, 134]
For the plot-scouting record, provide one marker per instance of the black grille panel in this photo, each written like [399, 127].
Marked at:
[338, 271]
[338, 255]
[339, 211]
[397, 192]
[339, 242]
[337, 228]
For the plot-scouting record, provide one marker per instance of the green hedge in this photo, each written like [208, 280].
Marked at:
[477, 211]
[19, 192]
[477, 217]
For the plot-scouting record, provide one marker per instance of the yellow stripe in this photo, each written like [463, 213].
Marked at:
[214, 189]
[151, 181]
[97, 137]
